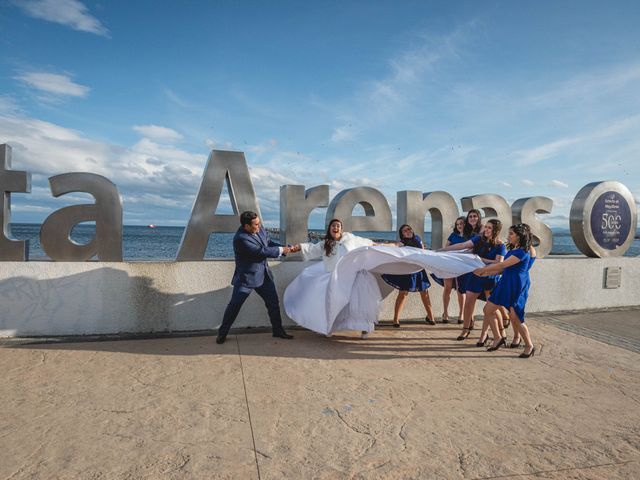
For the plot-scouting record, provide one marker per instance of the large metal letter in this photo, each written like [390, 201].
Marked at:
[493, 206]
[295, 207]
[377, 217]
[222, 166]
[603, 219]
[55, 234]
[11, 181]
[524, 210]
[413, 206]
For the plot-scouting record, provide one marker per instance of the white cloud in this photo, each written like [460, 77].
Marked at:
[175, 98]
[54, 84]
[8, 104]
[151, 176]
[548, 150]
[589, 86]
[71, 13]
[559, 184]
[214, 144]
[47, 149]
[29, 208]
[262, 148]
[543, 152]
[156, 132]
[342, 134]
[506, 184]
[409, 69]
[528, 183]
[555, 221]
[407, 81]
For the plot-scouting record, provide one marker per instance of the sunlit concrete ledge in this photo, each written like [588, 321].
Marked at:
[93, 298]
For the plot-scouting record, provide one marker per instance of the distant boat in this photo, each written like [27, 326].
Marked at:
[151, 225]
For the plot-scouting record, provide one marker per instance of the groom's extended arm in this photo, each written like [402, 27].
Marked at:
[250, 249]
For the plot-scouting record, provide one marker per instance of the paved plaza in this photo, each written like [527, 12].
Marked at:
[408, 403]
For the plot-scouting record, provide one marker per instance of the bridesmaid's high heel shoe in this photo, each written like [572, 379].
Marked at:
[527, 355]
[483, 343]
[465, 334]
[429, 321]
[502, 341]
[514, 344]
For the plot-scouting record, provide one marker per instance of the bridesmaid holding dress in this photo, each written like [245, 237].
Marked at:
[512, 290]
[414, 282]
[457, 236]
[490, 249]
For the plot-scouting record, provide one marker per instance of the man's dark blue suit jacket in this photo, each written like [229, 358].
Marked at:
[251, 253]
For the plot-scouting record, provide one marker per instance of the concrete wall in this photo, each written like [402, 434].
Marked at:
[47, 298]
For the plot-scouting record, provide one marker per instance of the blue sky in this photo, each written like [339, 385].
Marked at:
[513, 98]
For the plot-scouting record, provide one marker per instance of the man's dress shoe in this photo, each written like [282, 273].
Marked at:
[220, 339]
[282, 334]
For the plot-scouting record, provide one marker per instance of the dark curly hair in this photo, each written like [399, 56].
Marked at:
[329, 242]
[523, 232]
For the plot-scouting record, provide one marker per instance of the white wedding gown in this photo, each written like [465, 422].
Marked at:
[341, 293]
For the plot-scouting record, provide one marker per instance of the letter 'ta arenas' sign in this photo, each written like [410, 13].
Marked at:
[603, 215]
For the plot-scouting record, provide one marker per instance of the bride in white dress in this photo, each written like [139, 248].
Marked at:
[341, 292]
[305, 297]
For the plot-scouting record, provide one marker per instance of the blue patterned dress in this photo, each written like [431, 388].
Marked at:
[413, 282]
[512, 290]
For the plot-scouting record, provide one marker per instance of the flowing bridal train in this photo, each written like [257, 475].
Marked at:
[341, 292]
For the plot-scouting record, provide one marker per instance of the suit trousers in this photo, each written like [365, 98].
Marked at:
[268, 293]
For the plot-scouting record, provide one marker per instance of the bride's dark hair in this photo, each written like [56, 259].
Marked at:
[329, 241]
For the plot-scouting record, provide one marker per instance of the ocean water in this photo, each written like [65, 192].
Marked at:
[142, 243]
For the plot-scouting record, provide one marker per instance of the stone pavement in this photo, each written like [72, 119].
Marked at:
[408, 403]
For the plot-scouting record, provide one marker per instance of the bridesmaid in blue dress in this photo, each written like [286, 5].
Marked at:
[457, 236]
[414, 282]
[512, 290]
[473, 223]
[472, 227]
[491, 250]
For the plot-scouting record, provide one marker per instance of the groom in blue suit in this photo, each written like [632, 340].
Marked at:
[252, 246]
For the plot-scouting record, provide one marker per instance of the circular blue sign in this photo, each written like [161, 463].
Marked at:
[611, 220]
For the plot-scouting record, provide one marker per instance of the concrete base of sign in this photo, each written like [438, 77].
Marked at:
[93, 298]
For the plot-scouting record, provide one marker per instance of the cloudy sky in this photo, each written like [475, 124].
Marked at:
[513, 98]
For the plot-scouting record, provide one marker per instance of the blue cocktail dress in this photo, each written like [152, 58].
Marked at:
[512, 290]
[476, 284]
[414, 282]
